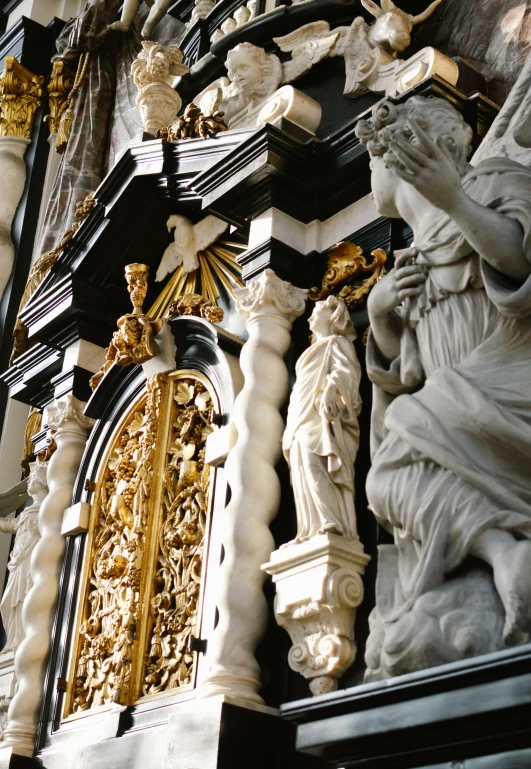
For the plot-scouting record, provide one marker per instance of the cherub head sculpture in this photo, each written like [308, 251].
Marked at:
[252, 71]
[393, 27]
[331, 318]
[437, 117]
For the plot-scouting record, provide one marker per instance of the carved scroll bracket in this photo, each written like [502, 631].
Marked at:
[59, 87]
[346, 264]
[319, 586]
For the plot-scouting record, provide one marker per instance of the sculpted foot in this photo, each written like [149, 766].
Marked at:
[512, 577]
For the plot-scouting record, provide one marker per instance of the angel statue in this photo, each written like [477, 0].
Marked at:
[449, 354]
[321, 439]
[25, 527]
[366, 48]
[157, 9]
[253, 76]
[189, 240]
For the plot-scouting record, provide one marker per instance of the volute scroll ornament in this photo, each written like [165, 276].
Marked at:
[346, 263]
[20, 96]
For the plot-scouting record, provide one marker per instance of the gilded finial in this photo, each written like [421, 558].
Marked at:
[137, 284]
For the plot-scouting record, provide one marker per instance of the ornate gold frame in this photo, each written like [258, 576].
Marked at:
[144, 622]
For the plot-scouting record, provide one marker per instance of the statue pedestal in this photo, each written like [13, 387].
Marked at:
[7, 686]
[319, 586]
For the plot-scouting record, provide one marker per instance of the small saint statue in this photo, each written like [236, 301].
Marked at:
[26, 529]
[322, 434]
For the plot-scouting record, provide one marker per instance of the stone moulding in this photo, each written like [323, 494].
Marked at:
[319, 586]
[20, 94]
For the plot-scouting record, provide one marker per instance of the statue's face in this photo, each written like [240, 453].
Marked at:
[245, 72]
[384, 188]
[132, 331]
[393, 31]
[320, 320]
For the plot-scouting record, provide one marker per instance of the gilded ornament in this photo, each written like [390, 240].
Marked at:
[40, 270]
[134, 342]
[195, 304]
[150, 517]
[33, 426]
[59, 87]
[20, 93]
[193, 124]
[346, 263]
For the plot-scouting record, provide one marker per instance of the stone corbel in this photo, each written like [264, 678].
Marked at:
[318, 587]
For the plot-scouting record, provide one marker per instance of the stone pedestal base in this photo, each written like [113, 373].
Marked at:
[319, 586]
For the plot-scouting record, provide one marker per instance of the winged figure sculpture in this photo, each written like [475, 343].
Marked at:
[188, 240]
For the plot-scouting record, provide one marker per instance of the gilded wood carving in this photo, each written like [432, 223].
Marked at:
[146, 543]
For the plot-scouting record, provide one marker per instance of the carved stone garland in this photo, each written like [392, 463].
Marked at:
[142, 594]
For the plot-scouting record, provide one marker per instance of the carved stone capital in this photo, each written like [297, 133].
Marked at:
[67, 409]
[20, 92]
[59, 87]
[319, 586]
[267, 295]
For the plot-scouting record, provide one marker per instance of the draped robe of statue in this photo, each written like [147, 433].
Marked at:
[452, 414]
[105, 115]
[321, 452]
[26, 529]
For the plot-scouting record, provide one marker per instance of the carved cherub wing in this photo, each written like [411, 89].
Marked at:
[210, 98]
[308, 46]
[207, 231]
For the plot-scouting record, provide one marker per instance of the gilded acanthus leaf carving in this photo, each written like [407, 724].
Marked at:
[109, 628]
[347, 263]
[142, 590]
[181, 540]
[20, 93]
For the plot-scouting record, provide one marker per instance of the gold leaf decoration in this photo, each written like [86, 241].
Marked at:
[347, 263]
[217, 268]
[149, 524]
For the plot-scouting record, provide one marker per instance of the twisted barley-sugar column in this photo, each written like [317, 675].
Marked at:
[270, 306]
[65, 418]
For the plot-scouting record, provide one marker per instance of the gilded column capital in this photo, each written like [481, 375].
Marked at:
[59, 87]
[267, 294]
[20, 92]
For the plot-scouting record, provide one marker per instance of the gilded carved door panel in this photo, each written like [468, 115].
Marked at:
[142, 582]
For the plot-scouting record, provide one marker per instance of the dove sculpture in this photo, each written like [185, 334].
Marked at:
[188, 240]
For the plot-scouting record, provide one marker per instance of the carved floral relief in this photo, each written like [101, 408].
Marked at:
[145, 549]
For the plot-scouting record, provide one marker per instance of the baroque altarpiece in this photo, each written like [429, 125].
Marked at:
[263, 347]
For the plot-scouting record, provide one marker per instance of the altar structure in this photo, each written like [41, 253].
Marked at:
[264, 387]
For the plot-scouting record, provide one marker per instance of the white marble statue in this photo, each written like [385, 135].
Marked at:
[449, 354]
[189, 240]
[157, 9]
[154, 71]
[369, 50]
[26, 529]
[253, 76]
[322, 435]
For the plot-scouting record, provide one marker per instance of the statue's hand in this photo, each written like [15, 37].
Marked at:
[331, 405]
[404, 280]
[426, 165]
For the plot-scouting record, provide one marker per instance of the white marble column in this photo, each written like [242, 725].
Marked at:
[270, 306]
[13, 176]
[70, 429]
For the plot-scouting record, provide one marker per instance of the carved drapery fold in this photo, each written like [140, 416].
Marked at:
[143, 578]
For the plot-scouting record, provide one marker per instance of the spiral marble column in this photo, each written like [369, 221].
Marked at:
[70, 429]
[270, 306]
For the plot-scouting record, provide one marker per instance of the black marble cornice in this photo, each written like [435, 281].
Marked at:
[451, 713]
[29, 378]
